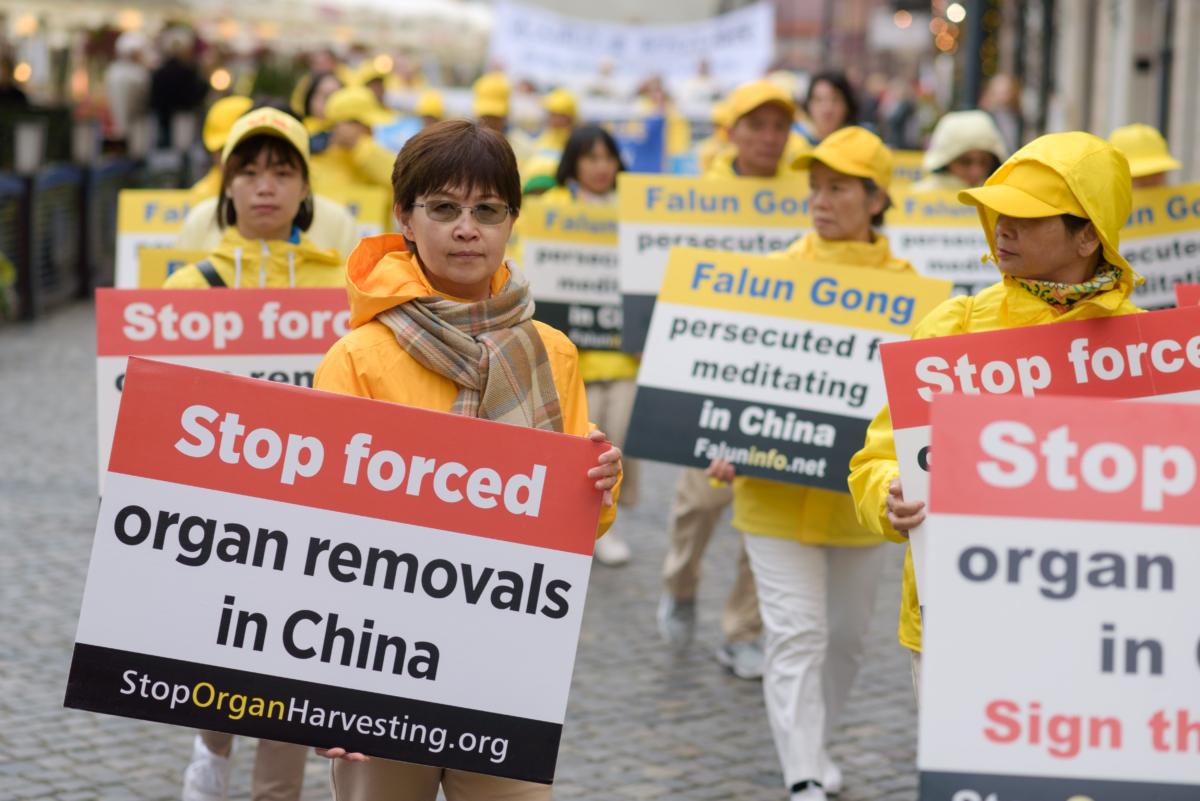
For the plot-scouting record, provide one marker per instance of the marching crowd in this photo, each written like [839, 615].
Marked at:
[443, 320]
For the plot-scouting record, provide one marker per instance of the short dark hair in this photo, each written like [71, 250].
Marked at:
[841, 83]
[313, 82]
[580, 143]
[458, 154]
[872, 187]
[279, 151]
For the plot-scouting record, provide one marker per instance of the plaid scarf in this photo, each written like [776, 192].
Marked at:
[490, 349]
[1064, 296]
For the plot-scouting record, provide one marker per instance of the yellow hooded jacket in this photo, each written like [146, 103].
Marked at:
[1077, 158]
[369, 362]
[263, 263]
[811, 515]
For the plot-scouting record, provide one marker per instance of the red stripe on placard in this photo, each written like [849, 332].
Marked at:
[1066, 458]
[1187, 294]
[151, 440]
[188, 322]
[1110, 362]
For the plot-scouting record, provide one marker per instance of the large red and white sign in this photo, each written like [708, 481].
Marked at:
[275, 334]
[1063, 563]
[328, 570]
[1152, 355]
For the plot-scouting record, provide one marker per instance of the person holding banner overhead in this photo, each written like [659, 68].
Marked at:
[1053, 215]
[964, 149]
[441, 322]
[588, 174]
[761, 114]
[816, 569]
[264, 207]
[1150, 162]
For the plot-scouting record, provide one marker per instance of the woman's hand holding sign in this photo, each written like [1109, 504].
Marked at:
[608, 466]
[903, 515]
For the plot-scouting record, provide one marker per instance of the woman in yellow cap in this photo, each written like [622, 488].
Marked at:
[440, 321]
[264, 207]
[353, 156]
[816, 569]
[1052, 214]
[1150, 161]
[964, 149]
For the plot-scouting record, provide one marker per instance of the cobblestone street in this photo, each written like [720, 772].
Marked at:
[643, 722]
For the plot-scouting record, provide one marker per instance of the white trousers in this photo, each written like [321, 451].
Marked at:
[816, 604]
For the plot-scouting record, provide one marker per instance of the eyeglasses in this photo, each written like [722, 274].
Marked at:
[449, 211]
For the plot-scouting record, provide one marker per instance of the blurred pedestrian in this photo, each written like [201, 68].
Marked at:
[1150, 162]
[176, 86]
[430, 107]
[353, 157]
[127, 86]
[830, 104]
[964, 149]
[1002, 99]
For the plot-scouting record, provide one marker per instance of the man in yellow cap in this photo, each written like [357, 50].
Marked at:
[760, 117]
[353, 155]
[332, 226]
[490, 106]
[430, 107]
[220, 118]
[561, 112]
[1146, 149]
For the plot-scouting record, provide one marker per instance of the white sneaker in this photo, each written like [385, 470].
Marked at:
[611, 550]
[832, 777]
[744, 658]
[812, 792]
[207, 777]
[676, 620]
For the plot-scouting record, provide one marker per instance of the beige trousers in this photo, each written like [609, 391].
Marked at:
[385, 780]
[695, 512]
[610, 405]
[278, 767]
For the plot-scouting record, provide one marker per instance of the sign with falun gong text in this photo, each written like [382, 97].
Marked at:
[277, 335]
[569, 253]
[771, 364]
[147, 218]
[1063, 657]
[1161, 240]
[1149, 355]
[336, 571]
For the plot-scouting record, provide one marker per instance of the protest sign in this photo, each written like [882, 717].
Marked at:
[554, 49]
[275, 334]
[642, 143]
[942, 238]
[570, 257]
[659, 212]
[155, 265]
[1062, 661]
[1187, 294]
[147, 218]
[769, 363]
[334, 571]
[1133, 356]
[908, 167]
[1161, 241]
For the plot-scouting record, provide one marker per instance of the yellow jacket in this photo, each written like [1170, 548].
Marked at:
[597, 365]
[1002, 305]
[263, 263]
[369, 362]
[368, 162]
[811, 515]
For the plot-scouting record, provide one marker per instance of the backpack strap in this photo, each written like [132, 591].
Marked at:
[209, 271]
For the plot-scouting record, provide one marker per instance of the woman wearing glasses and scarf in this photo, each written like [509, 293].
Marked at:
[441, 322]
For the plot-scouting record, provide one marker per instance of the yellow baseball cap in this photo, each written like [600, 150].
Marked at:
[430, 104]
[560, 101]
[492, 85]
[271, 122]
[721, 114]
[490, 106]
[750, 96]
[221, 117]
[1145, 148]
[852, 151]
[356, 104]
[1030, 189]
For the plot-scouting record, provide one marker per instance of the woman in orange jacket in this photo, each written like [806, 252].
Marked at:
[441, 322]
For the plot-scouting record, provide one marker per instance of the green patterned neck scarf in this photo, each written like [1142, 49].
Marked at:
[1064, 296]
